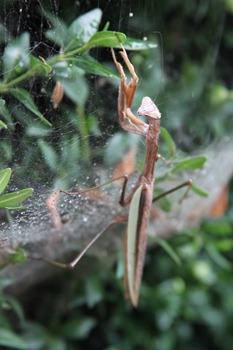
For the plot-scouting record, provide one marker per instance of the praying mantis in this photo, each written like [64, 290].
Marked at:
[141, 197]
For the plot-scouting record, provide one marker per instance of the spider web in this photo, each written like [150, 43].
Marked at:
[72, 154]
[39, 161]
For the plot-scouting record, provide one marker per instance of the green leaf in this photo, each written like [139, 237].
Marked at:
[57, 36]
[66, 70]
[82, 29]
[224, 245]
[10, 200]
[21, 207]
[75, 87]
[199, 191]
[44, 66]
[15, 306]
[106, 39]
[38, 129]
[219, 227]
[4, 283]
[16, 58]
[50, 156]
[136, 44]
[78, 329]
[5, 176]
[5, 112]
[169, 250]
[169, 141]
[93, 126]
[93, 291]
[5, 35]
[70, 153]
[18, 257]
[218, 258]
[189, 163]
[6, 150]
[58, 32]
[203, 270]
[11, 340]
[25, 98]
[92, 66]
[2, 103]
[3, 125]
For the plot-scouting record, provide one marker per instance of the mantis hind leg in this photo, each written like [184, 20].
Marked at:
[187, 184]
[75, 261]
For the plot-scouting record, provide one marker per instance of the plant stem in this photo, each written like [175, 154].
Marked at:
[83, 129]
[4, 88]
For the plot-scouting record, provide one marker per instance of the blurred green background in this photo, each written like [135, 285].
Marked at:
[182, 306]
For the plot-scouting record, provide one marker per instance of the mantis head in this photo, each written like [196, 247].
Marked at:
[148, 109]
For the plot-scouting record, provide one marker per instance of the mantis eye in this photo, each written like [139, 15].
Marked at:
[148, 108]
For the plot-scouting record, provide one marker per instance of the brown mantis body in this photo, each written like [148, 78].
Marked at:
[135, 254]
[141, 197]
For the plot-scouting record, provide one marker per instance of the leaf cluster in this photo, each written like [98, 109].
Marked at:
[44, 128]
[11, 200]
[184, 305]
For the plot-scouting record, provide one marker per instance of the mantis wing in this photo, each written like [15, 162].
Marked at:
[136, 240]
[131, 242]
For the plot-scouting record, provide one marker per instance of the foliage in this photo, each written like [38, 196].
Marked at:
[11, 200]
[194, 89]
[185, 305]
[68, 67]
